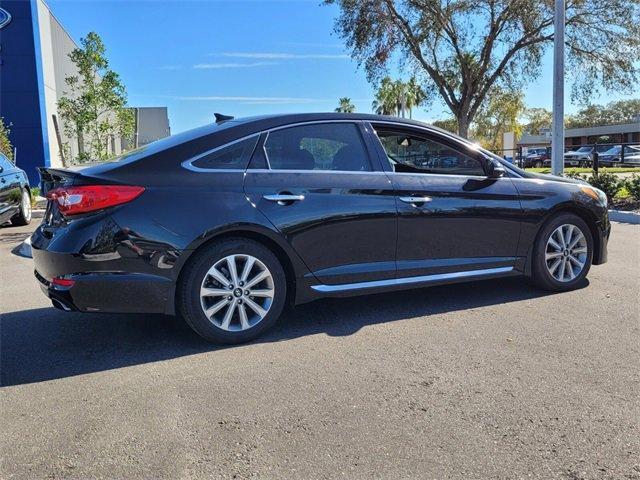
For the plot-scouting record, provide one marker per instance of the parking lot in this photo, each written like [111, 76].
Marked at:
[478, 380]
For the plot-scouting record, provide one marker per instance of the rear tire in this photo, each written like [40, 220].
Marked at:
[23, 217]
[219, 297]
[563, 253]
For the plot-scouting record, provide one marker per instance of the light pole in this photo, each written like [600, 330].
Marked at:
[557, 138]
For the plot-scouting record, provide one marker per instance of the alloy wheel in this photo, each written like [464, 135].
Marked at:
[237, 292]
[566, 253]
[26, 206]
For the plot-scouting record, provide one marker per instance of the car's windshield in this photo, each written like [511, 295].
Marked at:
[613, 150]
[584, 149]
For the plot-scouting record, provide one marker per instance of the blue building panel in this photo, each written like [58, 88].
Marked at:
[21, 87]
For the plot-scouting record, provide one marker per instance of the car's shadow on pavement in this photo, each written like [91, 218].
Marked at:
[46, 344]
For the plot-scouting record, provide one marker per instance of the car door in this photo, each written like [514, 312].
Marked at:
[10, 194]
[452, 218]
[319, 185]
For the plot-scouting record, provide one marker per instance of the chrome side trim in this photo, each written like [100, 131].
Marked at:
[345, 287]
[188, 164]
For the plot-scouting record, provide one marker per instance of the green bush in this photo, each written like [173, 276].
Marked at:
[35, 191]
[609, 183]
[632, 185]
[576, 175]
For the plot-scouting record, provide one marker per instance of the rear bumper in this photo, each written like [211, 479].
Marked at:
[102, 291]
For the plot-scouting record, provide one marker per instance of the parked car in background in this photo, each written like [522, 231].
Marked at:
[633, 159]
[613, 156]
[582, 157]
[227, 223]
[535, 157]
[15, 194]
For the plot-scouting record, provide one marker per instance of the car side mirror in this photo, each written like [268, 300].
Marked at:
[495, 170]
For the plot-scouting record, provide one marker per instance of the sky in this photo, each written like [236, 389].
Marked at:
[239, 57]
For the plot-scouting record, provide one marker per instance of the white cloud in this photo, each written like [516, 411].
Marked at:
[284, 56]
[203, 66]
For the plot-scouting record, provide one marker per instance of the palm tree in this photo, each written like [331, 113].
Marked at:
[386, 100]
[392, 95]
[414, 95]
[345, 106]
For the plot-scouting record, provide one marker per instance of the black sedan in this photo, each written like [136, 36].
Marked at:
[15, 194]
[227, 223]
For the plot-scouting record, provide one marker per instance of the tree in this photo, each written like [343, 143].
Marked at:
[93, 109]
[414, 96]
[345, 106]
[622, 111]
[449, 124]
[386, 98]
[5, 144]
[467, 48]
[537, 119]
[392, 94]
[500, 114]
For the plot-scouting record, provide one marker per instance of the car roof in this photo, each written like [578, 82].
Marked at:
[265, 122]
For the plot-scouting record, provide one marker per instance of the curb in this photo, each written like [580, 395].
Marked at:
[624, 217]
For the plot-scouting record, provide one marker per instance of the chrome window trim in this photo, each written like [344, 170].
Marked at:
[341, 172]
[345, 287]
[188, 164]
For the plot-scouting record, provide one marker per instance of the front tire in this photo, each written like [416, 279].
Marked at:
[232, 291]
[563, 253]
[23, 217]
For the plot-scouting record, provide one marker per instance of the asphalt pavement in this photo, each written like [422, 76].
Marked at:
[489, 379]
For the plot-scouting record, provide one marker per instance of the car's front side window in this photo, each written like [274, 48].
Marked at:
[324, 146]
[413, 153]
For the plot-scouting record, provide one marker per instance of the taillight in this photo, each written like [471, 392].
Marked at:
[62, 282]
[89, 198]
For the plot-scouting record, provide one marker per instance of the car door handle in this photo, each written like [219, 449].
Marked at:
[283, 198]
[415, 199]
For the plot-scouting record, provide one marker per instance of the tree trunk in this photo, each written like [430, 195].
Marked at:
[463, 124]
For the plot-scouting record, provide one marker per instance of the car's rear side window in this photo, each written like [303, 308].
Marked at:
[321, 146]
[234, 156]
